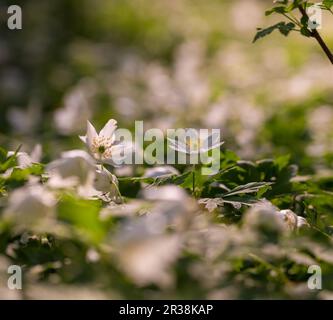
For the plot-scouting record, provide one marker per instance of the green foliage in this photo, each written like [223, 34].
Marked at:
[289, 10]
[328, 4]
[249, 231]
[283, 27]
[83, 215]
[80, 229]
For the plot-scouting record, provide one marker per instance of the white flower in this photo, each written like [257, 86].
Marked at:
[292, 220]
[74, 163]
[161, 172]
[76, 109]
[77, 170]
[211, 204]
[92, 256]
[267, 213]
[264, 216]
[148, 259]
[172, 207]
[102, 187]
[30, 204]
[130, 209]
[103, 146]
[57, 182]
[25, 121]
[25, 160]
[107, 183]
[169, 193]
[192, 142]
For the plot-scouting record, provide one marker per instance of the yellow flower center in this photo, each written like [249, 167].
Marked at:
[102, 146]
[193, 143]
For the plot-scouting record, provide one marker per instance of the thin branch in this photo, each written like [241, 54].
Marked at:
[317, 36]
[292, 20]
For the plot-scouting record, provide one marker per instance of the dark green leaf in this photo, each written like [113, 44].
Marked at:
[283, 27]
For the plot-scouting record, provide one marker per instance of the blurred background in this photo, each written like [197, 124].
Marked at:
[171, 63]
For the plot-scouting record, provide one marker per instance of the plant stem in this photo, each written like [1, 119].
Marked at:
[119, 194]
[315, 34]
[193, 180]
[293, 20]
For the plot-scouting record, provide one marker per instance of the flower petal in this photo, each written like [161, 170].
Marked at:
[206, 149]
[177, 146]
[36, 153]
[109, 129]
[91, 134]
[118, 152]
[83, 138]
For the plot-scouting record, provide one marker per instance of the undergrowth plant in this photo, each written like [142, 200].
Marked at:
[298, 20]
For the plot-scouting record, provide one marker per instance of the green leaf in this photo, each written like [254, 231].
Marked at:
[328, 4]
[281, 9]
[284, 7]
[305, 32]
[263, 190]
[11, 161]
[174, 179]
[237, 202]
[137, 179]
[282, 162]
[251, 187]
[3, 155]
[284, 28]
[83, 215]
[19, 176]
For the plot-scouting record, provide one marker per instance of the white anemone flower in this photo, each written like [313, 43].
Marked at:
[25, 160]
[76, 169]
[192, 141]
[74, 163]
[292, 220]
[103, 145]
[165, 193]
[107, 183]
[30, 205]
[103, 185]
[56, 181]
[172, 207]
[148, 258]
[266, 212]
